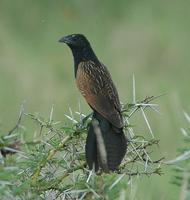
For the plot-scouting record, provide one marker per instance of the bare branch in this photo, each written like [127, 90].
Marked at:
[19, 120]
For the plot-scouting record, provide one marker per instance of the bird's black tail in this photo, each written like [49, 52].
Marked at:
[114, 142]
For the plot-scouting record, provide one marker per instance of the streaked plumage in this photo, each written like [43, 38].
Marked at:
[95, 84]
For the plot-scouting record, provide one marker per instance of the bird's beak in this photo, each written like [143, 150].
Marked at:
[66, 39]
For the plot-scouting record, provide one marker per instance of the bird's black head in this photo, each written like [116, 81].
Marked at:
[80, 48]
[78, 41]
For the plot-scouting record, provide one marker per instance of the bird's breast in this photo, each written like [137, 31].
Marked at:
[95, 84]
[83, 81]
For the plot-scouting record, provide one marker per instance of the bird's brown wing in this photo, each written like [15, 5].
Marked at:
[96, 85]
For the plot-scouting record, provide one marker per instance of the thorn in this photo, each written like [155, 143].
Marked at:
[146, 120]
[51, 114]
[134, 90]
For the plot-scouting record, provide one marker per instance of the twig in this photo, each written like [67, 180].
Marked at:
[19, 120]
[147, 173]
[50, 155]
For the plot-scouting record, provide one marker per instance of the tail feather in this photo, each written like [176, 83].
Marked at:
[114, 140]
[91, 149]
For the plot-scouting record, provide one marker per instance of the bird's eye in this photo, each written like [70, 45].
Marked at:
[73, 36]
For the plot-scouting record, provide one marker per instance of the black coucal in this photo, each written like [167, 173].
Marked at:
[95, 84]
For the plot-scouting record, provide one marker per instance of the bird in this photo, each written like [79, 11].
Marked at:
[96, 86]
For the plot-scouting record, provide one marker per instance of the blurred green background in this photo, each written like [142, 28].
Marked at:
[150, 39]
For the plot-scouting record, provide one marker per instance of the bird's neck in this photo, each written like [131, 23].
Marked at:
[83, 54]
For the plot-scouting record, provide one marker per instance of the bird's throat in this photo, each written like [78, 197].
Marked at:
[81, 55]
